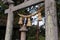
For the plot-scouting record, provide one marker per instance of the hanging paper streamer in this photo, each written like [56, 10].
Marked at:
[20, 20]
[29, 22]
[25, 20]
[39, 16]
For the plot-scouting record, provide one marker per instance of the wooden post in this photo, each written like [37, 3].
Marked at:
[37, 31]
[51, 20]
[9, 27]
[23, 32]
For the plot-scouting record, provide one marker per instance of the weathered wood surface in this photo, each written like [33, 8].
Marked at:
[9, 28]
[51, 20]
[23, 30]
[23, 5]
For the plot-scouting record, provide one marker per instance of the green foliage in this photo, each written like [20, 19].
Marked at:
[41, 38]
[22, 11]
[3, 5]
[31, 34]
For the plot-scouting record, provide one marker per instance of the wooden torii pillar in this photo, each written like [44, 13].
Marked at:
[9, 26]
[51, 20]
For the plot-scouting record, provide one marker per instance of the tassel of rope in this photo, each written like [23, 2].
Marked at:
[39, 16]
[20, 20]
[29, 22]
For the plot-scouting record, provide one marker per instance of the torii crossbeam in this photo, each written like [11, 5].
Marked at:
[23, 5]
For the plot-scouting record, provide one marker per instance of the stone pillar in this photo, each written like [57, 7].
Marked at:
[51, 20]
[23, 32]
[9, 27]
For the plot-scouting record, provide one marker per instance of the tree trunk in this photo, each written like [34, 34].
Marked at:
[51, 20]
[9, 24]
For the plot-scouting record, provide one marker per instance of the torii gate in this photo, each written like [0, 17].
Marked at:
[50, 13]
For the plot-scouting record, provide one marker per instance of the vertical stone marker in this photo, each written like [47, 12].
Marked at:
[9, 27]
[51, 20]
